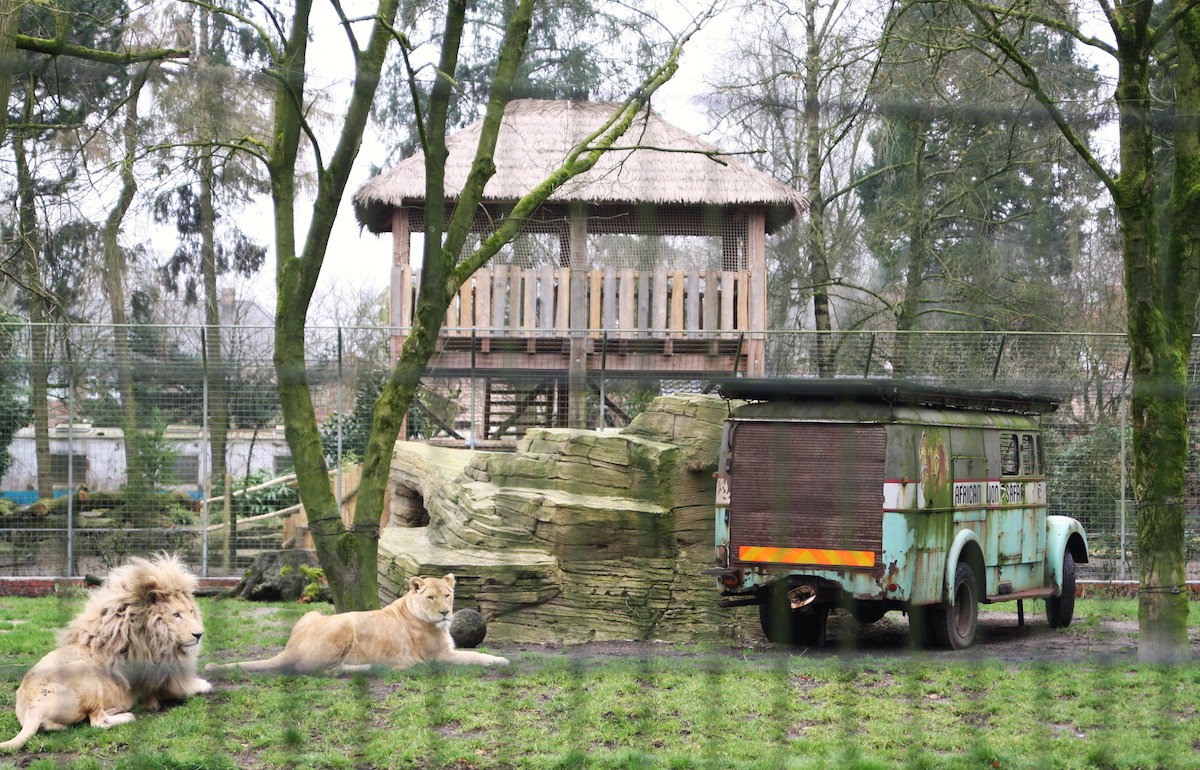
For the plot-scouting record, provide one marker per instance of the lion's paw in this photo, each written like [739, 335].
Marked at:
[114, 717]
[201, 686]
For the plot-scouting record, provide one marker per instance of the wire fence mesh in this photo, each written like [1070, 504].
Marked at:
[206, 411]
[621, 705]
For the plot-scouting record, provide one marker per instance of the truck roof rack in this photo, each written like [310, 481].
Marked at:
[888, 391]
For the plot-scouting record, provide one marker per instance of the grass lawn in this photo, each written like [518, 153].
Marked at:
[708, 706]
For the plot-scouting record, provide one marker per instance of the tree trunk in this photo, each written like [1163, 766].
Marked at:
[39, 316]
[114, 287]
[218, 381]
[914, 273]
[818, 249]
[9, 10]
[1161, 341]
[348, 556]
[1159, 354]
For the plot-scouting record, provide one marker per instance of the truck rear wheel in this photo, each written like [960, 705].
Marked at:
[954, 625]
[783, 625]
[1061, 609]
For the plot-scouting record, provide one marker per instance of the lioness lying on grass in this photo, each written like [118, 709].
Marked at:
[413, 629]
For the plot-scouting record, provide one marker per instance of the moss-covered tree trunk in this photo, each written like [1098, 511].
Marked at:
[438, 283]
[1161, 297]
[347, 556]
[1162, 285]
[9, 11]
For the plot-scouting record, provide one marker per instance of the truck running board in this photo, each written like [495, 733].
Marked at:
[1033, 593]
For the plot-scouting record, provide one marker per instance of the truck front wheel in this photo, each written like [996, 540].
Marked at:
[1061, 609]
[954, 626]
[783, 625]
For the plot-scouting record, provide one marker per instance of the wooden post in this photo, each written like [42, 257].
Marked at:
[756, 253]
[659, 307]
[227, 546]
[626, 319]
[500, 305]
[728, 321]
[577, 365]
[400, 307]
[643, 301]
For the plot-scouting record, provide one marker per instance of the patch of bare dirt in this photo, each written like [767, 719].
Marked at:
[1000, 637]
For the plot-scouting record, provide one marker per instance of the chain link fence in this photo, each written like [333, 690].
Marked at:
[194, 458]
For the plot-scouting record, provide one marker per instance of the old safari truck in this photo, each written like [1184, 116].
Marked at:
[877, 495]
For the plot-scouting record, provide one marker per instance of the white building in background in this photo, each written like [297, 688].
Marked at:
[83, 454]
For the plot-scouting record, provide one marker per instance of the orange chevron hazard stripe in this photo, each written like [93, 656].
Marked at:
[820, 556]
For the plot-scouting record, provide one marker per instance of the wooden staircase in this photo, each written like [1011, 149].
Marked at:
[512, 406]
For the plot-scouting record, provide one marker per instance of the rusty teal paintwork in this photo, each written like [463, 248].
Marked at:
[949, 497]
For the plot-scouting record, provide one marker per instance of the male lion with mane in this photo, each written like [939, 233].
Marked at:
[135, 641]
[413, 629]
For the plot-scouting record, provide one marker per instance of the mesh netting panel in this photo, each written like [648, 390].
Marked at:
[618, 238]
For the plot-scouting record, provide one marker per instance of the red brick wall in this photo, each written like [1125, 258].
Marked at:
[44, 586]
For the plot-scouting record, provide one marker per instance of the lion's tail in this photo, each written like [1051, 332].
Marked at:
[28, 728]
[270, 664]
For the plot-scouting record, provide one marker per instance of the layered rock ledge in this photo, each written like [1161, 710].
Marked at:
[577, 535]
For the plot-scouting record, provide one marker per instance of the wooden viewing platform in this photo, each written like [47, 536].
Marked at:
[662, 321]
[650, 265]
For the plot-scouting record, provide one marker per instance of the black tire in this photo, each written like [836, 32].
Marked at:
[1061, 609]
[783, 625]
[954, 625]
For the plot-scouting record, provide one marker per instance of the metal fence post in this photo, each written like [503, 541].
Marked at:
[1124, 480]
[205, 454]
[474, 440]
[999, 356]
[70, 565]
[341, 419]
[603, 369]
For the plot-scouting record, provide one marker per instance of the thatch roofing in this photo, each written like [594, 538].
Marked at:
[536, 136]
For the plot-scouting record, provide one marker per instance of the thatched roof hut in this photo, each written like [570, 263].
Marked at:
[662, 243]
[660, 165]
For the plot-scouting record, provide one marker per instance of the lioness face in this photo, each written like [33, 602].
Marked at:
[174, 620]
[434, 599]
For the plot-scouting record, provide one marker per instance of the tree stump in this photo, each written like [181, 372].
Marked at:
[277, 576]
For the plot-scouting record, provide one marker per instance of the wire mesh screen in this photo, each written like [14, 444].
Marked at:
[617, 238]
[626, 702]
[208, 422]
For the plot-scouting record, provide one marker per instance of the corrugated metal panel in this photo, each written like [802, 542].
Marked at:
[807, 485]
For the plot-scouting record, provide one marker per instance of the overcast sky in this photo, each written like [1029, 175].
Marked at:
[358, 261]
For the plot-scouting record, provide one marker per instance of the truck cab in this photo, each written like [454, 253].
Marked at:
[878, 495]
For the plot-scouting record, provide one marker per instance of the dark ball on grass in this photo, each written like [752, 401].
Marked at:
[468, 628]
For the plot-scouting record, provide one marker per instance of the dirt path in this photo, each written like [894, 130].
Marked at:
[999, 637]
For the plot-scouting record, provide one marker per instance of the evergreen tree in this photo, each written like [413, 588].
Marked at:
[972, 200]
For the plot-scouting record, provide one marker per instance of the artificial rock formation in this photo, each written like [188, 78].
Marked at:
[576, 536]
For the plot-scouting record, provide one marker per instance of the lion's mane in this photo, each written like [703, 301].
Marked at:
[123, 624]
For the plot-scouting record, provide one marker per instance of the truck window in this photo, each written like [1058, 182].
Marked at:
[1009, 465]
[1027, 455]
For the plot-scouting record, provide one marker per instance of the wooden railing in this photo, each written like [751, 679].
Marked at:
[653, 303]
